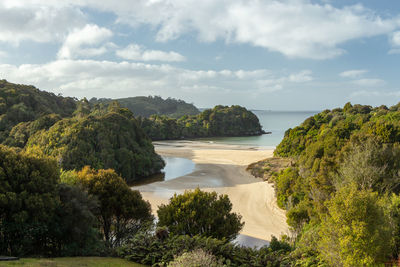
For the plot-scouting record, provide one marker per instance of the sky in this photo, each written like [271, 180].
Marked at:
[261, 54]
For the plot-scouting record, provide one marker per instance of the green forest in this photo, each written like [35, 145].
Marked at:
[218, 121]
[341, 187]
[152, 105]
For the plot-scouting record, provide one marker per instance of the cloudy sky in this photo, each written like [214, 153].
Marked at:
[263, 54]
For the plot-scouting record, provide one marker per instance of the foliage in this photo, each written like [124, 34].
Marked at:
[39, 216]
[23, 103]
[152, 105]
[122, 211]
[103, 139]
[200, 213]
[355, 147]
[356, 230]
[195, 258]
[75, 226]
[147, 249]
[219, 121]
[28, 200]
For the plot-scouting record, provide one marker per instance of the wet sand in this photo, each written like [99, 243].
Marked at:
[222, 168]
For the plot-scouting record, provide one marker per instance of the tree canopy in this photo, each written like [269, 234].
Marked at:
[200, 213]
[346, 164]
[152, 105]
[22, 103]
[219, 121]
[102, 139]
[122, 210]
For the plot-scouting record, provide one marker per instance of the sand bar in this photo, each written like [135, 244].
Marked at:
[221, 168]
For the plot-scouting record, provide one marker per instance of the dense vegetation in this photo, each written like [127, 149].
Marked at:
[22, 103]
[43, 212]
[103, 138]
[152, 105]
[200, 213]
[342, 191]
[148, 248]
[219, 121]
[36, 212]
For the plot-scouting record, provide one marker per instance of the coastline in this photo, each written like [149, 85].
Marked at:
[222, 168]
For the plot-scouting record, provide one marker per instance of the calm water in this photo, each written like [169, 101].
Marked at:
[276, 122]
[176, 167]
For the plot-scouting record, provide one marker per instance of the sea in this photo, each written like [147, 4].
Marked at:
[276, 122]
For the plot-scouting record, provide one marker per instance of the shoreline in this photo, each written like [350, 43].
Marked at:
[222, 168]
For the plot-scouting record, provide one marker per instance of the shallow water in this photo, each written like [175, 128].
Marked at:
[276, 122]
[249, 241]
[177, 167]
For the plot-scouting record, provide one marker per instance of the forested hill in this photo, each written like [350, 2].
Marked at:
[75, 132]
[152, 105]
[341, 191]
[103, 139]
[219, 121]
[22, 103]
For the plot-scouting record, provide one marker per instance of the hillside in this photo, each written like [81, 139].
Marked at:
[341, 188]
[219, 121]
[102, 139]
[152, 105]
[75, 132]
[23, 103]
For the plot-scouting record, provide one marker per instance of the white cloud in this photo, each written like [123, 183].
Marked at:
[396, 38]
[364, 93]
[395, 41]
[369, 82]
[85, 42]
[352, 73]
[295, 28]
[136, 52]
[303, 76]
[39, 23]
[89, 78]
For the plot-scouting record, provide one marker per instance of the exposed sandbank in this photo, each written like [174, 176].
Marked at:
[221, 168]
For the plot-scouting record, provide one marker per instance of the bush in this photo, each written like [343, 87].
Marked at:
[200, 213]
[195, 258]
[146, 248]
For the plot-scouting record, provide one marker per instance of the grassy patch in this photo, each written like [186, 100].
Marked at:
[71, 262]
[268, 167]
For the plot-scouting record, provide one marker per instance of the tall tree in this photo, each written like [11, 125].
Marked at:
[122, 211]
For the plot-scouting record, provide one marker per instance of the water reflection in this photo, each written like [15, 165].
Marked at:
[174, 168]
[249, 241]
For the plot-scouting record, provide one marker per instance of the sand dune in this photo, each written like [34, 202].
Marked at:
[221, 168]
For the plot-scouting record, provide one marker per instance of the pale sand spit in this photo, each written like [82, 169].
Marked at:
[222, 168]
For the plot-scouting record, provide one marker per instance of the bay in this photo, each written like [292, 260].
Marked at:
[276, 122]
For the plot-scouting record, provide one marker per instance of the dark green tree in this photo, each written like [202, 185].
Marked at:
[122, 211]
[28, 200]
[200, 213]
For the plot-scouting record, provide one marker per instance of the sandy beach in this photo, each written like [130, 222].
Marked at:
[222, 168]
